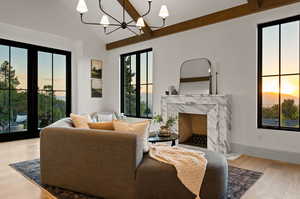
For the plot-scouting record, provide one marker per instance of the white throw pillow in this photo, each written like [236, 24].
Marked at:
[106, 117]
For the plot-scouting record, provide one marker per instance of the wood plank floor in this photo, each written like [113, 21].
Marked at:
[280, 180]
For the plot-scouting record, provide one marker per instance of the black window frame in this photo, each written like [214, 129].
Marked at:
[138, 82]
[32, 88]
[260, 73]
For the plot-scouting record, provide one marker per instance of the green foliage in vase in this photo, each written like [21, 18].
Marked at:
[168, 124]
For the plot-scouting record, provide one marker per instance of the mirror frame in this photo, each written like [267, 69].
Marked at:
[198, 79]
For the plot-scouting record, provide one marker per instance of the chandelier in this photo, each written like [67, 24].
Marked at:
[121, 24]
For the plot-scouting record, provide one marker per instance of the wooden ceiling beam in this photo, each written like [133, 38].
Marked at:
[213, 18]
[255, 4]
[134, 14]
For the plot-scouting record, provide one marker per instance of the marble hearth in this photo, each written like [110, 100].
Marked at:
[216, 107]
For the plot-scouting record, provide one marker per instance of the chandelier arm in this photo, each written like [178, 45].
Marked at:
[100, 7]
[107, 33]
[132, 31]
[146, 13]
[92, 23]
[132, 26]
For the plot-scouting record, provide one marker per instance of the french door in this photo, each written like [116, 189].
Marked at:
[35, 88]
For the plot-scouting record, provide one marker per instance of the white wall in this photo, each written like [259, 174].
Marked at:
[232, 47]
[82, 52]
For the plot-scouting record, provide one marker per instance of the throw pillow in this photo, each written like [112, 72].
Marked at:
[101, 125]
[139, 128]
[80, 121]
[106, 117]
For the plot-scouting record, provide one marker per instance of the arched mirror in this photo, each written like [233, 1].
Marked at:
[196, 77]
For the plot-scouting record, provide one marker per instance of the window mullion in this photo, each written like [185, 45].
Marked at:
[147, 81]
[52, 91]
[138, 84]
[9, 92]
[299, 79]
[279, 107]
[130, 85]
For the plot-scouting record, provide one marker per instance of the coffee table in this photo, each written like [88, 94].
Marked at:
[172, 138]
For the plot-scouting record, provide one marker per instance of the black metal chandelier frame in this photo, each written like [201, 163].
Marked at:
[122, 24]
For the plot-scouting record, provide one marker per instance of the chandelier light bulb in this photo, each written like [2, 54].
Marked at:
[163, 13]
[140, 22]
[81, 6]
[104, 21]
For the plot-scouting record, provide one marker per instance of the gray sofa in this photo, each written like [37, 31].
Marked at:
[112, 165]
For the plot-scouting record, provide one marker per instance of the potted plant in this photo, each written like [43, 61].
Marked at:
[165, 126]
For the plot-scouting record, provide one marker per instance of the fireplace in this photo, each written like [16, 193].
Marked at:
[192, 129]
[204, 119]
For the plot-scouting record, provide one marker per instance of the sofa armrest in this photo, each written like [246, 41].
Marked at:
[100, 163]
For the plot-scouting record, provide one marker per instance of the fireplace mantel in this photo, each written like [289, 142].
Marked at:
[216, 107]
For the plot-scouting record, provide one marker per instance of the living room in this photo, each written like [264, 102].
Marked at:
[216, 80]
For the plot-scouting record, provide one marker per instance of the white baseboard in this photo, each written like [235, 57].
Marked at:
[284, 156]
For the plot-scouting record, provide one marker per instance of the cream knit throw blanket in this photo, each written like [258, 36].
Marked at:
[190, 165]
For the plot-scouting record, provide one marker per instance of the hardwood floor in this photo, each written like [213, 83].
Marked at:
[280, 180]
[12, 184]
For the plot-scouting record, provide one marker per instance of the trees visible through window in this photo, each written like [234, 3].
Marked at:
[278, 84]
[137, 84]
[34, 88]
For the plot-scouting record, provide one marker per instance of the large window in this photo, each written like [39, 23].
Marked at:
[278, 74]
[34, 88]
[137, 84]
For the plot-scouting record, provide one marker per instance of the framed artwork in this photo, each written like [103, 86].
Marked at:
[96, 78]
[96, 69]
[96, 87]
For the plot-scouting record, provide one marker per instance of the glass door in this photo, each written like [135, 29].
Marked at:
[35, 88]
[13, 89]
[51, 87]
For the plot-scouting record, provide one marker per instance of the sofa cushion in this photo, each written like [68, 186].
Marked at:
[80, 121]
[101, 125]
[159, 180]
[63, 123]
[139, 128]
[103, 116]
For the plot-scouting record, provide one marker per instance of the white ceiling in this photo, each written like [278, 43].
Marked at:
[60, 16]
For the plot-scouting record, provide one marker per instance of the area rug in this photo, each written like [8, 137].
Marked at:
[240, 180]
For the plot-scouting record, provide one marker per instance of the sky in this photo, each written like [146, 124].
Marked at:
[289, 58]
[19, 63]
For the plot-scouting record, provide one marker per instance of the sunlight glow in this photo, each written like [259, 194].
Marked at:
[289, 87]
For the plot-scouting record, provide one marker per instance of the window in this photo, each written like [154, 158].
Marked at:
[278, 74]
[51, 87]
[34, 88]
[137, 84]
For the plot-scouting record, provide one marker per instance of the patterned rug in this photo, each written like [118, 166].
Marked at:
[240, 180]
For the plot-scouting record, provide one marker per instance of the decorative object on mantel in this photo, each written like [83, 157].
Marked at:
[217, 91]
[165, 127]
[172, 90]
[122, 24]
[196, 77]
[96, 78]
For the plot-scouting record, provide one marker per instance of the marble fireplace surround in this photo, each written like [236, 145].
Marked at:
[218, 111]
